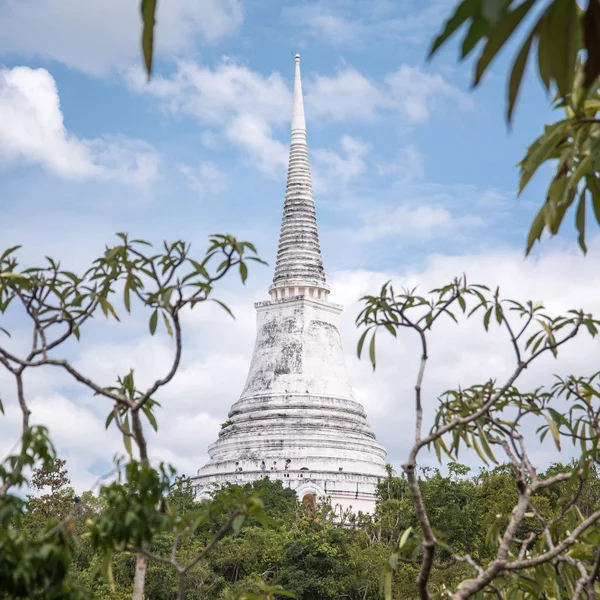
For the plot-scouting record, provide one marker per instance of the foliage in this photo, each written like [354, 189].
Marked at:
[132, 512]
[304, 550]
[566, 40]
[539, 542]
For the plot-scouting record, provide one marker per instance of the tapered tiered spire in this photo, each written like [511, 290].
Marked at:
[297, 420]
[299, 260]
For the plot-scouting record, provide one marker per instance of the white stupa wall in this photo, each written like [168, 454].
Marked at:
[297, 419]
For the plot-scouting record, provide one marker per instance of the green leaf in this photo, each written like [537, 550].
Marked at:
[516, 75]
[541, 150]
[499, 313]
[107, 569]
[387, 583]
[594, 187]
[536, 229]
[591, 36]
[167, 324]
[361, 343]
[545, 48]
[390, 328]
[224, 307]
[484, 443]
[477, 30]
[553, 430]
[465, 10]
[148, 9]
[126, 296]
[150, 416]
[8, 251]
[565, 35]
[237, 523]
[243, 272]
[111, 416]
[404, 537]
[372, 351]
[492, 9]
[580, 222]
[153, 322]
[127, 438]
[5, 331]
[486, 318]
[498, 37]
[1, 406]
[477, 449]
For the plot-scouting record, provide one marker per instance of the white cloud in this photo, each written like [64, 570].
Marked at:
[353, 23]
[243, 102]
[416, 93]
[409, 165]
[32, 131]
[413, 222]
[409, 91]
[333, 170]
[347, 96]
[206, 178]
[253, 135]
[98, 36]
[334, 28]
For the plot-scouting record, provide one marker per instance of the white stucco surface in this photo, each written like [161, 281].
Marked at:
[297, 419]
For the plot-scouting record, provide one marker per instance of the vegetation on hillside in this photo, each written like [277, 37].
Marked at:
[300, 547]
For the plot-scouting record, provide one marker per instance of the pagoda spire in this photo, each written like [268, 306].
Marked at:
[299, 266]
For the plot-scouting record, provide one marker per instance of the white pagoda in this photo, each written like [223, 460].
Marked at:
[297, 420]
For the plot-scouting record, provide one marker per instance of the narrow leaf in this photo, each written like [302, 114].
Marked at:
[224, 307]
[553, 430]
[243, 272]
[167, 324]
[498, 37]
[465, 10]
[580, 222]
[372, 351]
[127, 438]
[516, 75]
[148, 9]
[153, 321]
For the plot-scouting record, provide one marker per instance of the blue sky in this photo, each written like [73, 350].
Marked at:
[415, 178]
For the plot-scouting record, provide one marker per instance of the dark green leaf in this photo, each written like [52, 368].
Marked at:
[477, 30]
[372, 350]
[565, 35]
[536, 230]
[111, 416]
[465, 10]
[153, 321]
[167, 324]
[150, 416]
[148, 9]
[594, 187]
[486, 318]
[361, 342]
[580, 222]
[516, 75]
[8, 251]
[499, 35]
[544, 49]
[591, 36]
[243, 272]
[224, 307]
